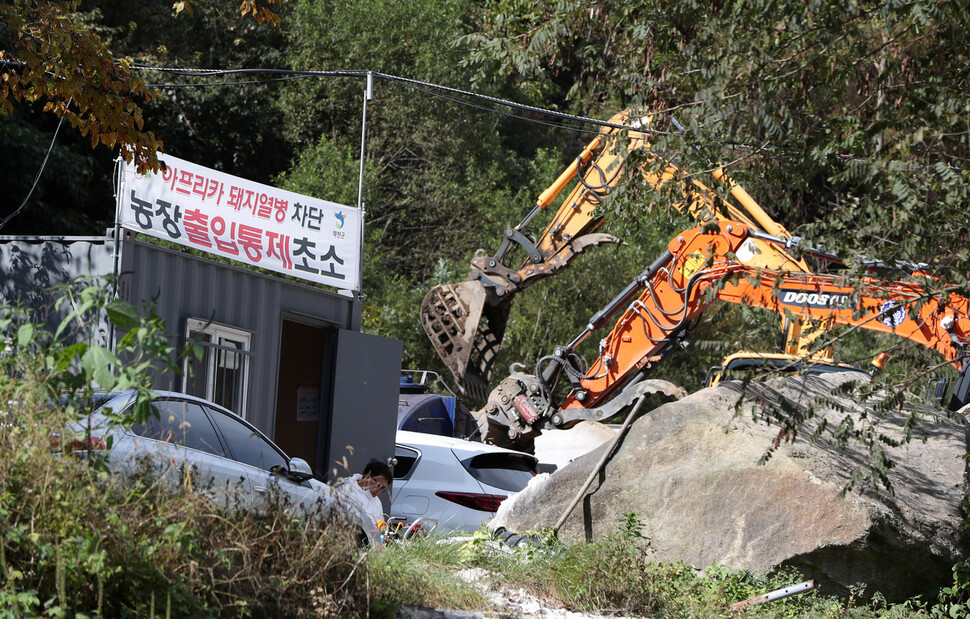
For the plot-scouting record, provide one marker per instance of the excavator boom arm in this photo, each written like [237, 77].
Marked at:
[466, 321]
[700, 266]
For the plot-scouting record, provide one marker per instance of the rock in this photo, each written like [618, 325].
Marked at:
[560, 447]
[694, 472]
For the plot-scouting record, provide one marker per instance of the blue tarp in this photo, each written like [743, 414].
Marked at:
[431, 413]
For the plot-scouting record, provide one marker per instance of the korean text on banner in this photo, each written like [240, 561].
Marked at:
[253, 223]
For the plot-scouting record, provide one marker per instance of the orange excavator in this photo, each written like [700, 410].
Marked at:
[701, 265]
[466, 321]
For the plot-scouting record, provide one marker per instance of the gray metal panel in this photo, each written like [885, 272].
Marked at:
[30, 267]
[185, 286]
[367, 378]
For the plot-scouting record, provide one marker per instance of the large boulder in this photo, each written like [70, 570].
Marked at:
[695, 472]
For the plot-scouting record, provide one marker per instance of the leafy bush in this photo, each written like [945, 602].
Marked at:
[954, 601]
[614, 575]
[78, 540]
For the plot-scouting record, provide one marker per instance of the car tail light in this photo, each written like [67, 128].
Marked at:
[481, 502]
[89, 443]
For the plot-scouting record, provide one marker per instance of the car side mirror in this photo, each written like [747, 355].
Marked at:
[299, 470]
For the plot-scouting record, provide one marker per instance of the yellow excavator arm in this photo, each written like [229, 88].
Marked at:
[466, 321]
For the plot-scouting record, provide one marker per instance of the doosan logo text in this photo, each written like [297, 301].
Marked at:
[813, 299]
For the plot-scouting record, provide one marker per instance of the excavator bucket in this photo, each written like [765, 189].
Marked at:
[466, 331]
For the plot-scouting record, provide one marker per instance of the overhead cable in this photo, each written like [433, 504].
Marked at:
[43, 165]
[391, 78]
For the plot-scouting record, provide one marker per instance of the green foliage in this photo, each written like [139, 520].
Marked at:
[390, 312]
[59, 63]
[38, 365]
[440, 182]
[327, 170]
[954, 601]
[845, 121]
[154, 546]
[167, 549]
[432, 167]
[235, 128]
[404, 39]
[848, 117]
[420, 572]
[77, 65]
[78, 540]
[613, 574]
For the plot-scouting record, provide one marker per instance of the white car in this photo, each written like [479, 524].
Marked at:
[229, 459]
[456, 483]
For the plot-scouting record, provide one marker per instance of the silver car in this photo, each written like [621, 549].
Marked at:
[450, 484]
[228, 459]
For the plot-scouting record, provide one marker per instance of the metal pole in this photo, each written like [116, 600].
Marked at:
[119, 187]
[599, 465]
[368, 95]
[778, 594]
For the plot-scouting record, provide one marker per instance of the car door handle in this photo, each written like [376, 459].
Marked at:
[260, 489]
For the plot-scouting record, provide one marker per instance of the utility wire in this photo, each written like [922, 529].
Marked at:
[491, 110]
[236, 83]
[43, 165]
[427, 87]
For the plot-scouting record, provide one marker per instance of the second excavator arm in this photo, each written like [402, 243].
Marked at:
[700, 266]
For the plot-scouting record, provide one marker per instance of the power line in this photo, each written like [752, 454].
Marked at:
[430, 88]
[43, 166]
[236, 83]
[507, 114]
[455, 95]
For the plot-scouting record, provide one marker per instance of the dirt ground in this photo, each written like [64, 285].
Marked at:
[509, 603]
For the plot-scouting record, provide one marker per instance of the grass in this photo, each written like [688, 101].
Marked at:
[611, 576]
[76, 542]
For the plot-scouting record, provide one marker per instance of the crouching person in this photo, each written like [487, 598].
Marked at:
[364, 490]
